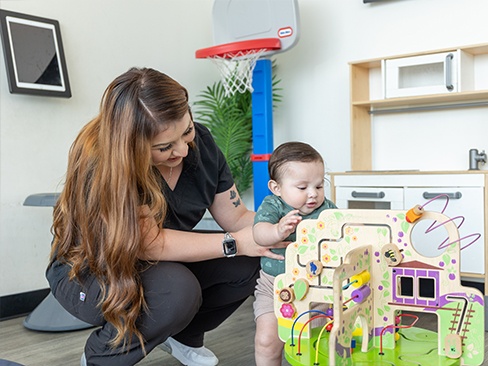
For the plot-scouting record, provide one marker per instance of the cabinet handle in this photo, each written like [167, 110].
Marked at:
[454, 196]
[368, 194]
[448, 70]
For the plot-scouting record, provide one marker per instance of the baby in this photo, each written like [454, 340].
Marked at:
[296, 172]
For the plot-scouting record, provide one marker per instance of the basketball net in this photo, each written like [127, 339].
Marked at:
[236, 69]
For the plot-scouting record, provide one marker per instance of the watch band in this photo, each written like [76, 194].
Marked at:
[229, 245]
[228, 236]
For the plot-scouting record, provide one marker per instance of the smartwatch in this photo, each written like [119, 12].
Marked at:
[229, 245]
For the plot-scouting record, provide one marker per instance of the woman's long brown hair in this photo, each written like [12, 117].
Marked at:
[96, 223]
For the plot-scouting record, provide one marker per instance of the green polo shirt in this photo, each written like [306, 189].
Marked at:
[271, 210]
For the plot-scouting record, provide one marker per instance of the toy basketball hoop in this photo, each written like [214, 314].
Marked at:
[236, 61]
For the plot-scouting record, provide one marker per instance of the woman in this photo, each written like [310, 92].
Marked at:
[140, 176]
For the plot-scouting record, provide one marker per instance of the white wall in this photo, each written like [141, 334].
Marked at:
[101, 39]
[104, 38]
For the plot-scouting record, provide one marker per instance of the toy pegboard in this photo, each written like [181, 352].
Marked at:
[361, 266]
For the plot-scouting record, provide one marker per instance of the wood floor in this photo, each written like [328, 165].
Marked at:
[232, 342]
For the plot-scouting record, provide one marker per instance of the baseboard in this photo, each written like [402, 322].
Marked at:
[479, 285]
[13, 306]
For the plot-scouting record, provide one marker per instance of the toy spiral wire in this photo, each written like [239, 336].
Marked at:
[433, 226]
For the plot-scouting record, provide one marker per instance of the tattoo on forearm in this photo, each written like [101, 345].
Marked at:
[235, 196]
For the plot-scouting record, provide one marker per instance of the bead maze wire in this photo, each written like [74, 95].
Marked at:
[302, 314]
[304, 325]
[397, 327]
[323, 315]
[433, 226]
[347, 285]
[348, 300]
[318, 341]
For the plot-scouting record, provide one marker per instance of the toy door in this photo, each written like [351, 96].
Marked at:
[421, 75]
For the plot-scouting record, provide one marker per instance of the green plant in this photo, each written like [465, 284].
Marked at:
[229, 119]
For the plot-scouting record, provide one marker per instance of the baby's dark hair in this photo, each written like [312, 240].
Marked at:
[288, 152]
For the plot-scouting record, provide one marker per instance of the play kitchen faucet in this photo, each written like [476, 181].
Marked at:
[475, 157]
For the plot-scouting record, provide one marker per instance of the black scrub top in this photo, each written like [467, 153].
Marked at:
[205, 173]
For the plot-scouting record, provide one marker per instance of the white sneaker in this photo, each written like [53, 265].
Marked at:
[83, 360]
[189, 356]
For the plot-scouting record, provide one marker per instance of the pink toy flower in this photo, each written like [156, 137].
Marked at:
[287, 310]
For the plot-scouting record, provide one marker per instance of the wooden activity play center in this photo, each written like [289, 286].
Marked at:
[357, 274]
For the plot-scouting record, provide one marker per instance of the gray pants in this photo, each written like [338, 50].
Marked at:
[184, 300]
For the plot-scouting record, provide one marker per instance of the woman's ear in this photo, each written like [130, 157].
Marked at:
[274, 187]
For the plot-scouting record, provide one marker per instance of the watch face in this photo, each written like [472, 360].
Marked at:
[230, 247]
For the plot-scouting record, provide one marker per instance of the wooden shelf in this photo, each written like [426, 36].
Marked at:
[460, 97]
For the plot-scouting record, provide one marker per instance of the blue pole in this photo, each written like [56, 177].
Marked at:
[262, 127]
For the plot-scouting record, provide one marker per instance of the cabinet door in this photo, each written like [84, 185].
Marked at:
[420, 75]
[466, 202]
[369, 198]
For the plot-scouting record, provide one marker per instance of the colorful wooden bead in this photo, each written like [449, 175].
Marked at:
[414, 213]
[360, 279]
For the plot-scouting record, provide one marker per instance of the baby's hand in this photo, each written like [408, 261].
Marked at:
[288, 224]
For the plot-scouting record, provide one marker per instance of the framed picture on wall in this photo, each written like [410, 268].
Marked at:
[34, 56]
